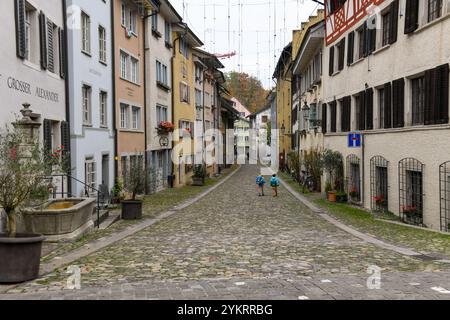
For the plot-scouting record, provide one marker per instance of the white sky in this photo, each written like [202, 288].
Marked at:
[257, 30]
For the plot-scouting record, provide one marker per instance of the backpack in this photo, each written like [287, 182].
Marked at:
[259, 180]
[274, 182]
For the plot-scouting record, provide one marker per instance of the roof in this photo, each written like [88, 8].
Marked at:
[283, 61]
[191, 37]
[170, 11]
[210, 59]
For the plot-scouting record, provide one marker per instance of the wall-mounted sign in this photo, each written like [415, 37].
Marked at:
[354, 140]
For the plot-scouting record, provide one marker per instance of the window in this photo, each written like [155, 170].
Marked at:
[386, 31]
[161, 114]
[418, 100]
[30, 13]
[52, 46]
[184, 48]
[128, 19]
[102, 44]
[124, 15]
[161, 74]
[198, 74]
[361, 44]
[154, 21]
[103, 109]
[184, 92]
[86, 101]
[198, 98]
[136, 116]
[129, 68]
[91, 175]
[134, 70]
[167, 32]
[85, 33]
[124, 116]
[434, 9]
[207, 100]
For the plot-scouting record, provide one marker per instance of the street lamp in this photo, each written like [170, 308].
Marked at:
[306, 110]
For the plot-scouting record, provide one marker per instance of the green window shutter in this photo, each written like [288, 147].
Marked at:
[43, 39]
[19, 11]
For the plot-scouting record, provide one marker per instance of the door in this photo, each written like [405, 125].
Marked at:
[105, 170]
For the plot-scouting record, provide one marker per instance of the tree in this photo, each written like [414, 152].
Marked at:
[247, 89]
[23, 165]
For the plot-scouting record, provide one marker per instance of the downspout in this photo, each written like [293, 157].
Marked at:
[173, 99]
[363, 147]
[114, 116]
[66, 84]
[145, 101]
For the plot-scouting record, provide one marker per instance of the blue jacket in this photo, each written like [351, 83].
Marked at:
[274, 182]
[260, 181]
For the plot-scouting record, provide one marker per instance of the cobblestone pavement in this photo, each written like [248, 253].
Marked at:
[236, 245]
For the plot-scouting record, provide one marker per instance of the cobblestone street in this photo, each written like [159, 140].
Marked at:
[233, 244]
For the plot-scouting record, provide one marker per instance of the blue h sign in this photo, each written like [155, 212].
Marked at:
[354, 140]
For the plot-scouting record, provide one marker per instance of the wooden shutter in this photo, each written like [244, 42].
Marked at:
[48, 136]
[430, 97]
[43, 39]
[442, 96]
[388, 105]
[324, 118]
[398, 97]
[393, 31]
[192, 127]
[412, 16]
[333, 117]
[369, 109]
[65, 136]
[346, 114]
[365, 39]
[331, 67]
[341, 54]
[21, 46]
[62, 53]
[50, 47]
[351, 48]
[362, 111]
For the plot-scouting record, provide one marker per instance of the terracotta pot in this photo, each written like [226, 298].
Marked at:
[332, 196]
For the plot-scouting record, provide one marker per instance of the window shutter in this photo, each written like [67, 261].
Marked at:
[48, 136]
[192, 127]
[342, 54]
[50, 51]
[333, 117]
[65, 136]
[19, 10]
[372, 34]
[369, 109]
[388, 105]
[43, 39]
[399, 103]
[331, 70]
[412, 16]
[324, 118]
[430, 97]
[362, 110]
[351, 48]
[366, 40]
[62, 53]
[393, 31]
[442, 96]
[346, 114]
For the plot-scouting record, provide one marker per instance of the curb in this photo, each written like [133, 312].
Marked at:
[100, 244]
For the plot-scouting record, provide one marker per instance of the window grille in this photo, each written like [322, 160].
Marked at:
[379, 187]
[353, 178]
[411, 191]
[444, 183]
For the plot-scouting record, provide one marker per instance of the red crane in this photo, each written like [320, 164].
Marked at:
[225, 55]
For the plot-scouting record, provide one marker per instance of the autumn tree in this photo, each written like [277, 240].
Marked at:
[247, 89]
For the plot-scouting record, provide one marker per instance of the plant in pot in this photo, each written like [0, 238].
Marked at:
[341, 197]
[132, 207]
[23, 167]
[164, 128]
[117, 192]
[200, 174]
[332, 163]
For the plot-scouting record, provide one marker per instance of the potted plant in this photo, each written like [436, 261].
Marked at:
[23, 166]
[165, 127]
[117, 192]
[332, 163]
[132, 207]
[198, 179]
[341, 197]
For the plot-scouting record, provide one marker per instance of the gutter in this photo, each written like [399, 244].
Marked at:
[113, 58]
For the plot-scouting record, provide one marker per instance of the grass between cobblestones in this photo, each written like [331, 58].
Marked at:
[424, 241]
[153, 205]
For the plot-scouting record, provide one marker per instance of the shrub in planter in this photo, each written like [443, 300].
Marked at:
[341, 197]
[131, 207]
[23, 165]
[200, 174]
[117, 192]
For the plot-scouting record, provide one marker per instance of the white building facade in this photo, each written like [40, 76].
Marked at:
[33, 66]
[91, 95]
[159, 52]
[386, 71]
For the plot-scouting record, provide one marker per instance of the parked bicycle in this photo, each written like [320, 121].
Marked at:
[307, 182]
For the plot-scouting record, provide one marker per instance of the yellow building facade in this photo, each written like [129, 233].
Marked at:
[184, 111]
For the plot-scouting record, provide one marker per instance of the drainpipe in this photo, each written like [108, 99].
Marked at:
[114, 109]
[144, 20]
[66, 84]
[363, 156]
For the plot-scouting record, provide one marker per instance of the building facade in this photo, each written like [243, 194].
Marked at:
[129, 83]
[91, 96]
[260, 124]
[34, 67]
[380, 81]
[158, 53]
[184, 109]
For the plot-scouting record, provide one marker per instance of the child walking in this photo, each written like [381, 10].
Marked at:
[260, 182]
[275, 183]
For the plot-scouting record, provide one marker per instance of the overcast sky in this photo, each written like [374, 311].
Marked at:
[257, 25]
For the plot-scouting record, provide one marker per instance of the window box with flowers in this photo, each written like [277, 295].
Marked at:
[165, 128]
[412, 215]
[354, 193]
[380, 202]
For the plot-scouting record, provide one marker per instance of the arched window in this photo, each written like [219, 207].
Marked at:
[379, 187]
[411, 191]
[444, 185]
[353, 178]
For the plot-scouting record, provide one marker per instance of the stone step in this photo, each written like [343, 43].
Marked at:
[113, 217]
